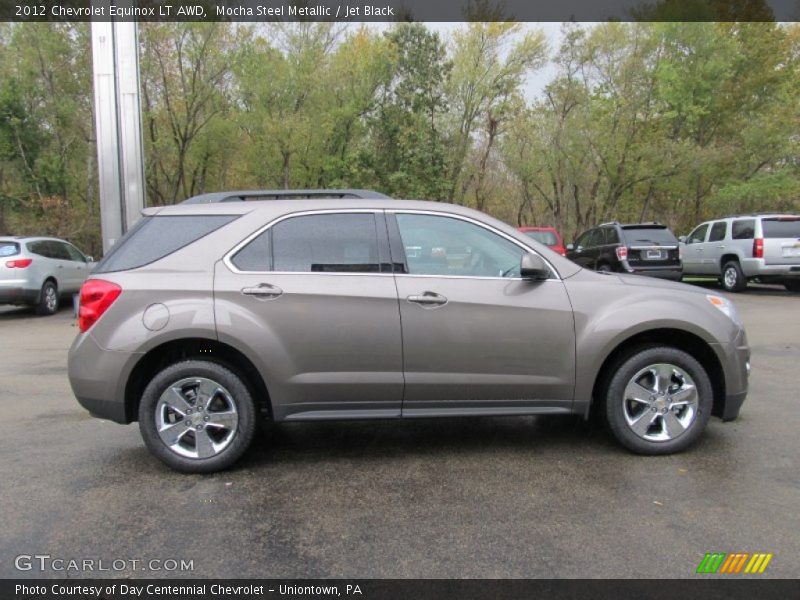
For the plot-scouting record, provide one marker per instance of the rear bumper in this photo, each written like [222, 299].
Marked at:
[18, 295]
[671, 273]
[97, 378]
[756, 267]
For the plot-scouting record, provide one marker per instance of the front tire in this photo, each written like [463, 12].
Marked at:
[197, 416]
[733, 279]
[48, 299]
[658, 401]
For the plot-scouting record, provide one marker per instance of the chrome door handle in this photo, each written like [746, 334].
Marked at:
[428, 299]
[263, 291]
[721, 247]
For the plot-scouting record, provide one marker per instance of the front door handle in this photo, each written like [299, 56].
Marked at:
[428, 299]
[263, 291]
[721, 247]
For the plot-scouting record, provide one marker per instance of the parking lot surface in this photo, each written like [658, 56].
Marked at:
[500, 497]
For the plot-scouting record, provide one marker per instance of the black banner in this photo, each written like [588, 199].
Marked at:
[394, 589]
[399, 10]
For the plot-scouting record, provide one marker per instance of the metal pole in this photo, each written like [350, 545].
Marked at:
[120, 163]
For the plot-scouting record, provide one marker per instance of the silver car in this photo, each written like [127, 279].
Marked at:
[210, 315]
[748, 247]
[40, 271]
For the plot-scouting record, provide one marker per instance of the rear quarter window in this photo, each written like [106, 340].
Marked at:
[744, 229]
[9, 248]
[153, 238]
[781, 228]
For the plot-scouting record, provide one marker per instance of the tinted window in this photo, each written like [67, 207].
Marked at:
[781, 228]
[59, 251]
[74, 254]
[9, 248]
[42, 248]
[256, 255]
[153, 238]
[331, 243]
[718, 231]
[611, 236]
[437, 245]
[583, 239]
[698, 235]
[636, 236]
[545, 237]
[744, 229]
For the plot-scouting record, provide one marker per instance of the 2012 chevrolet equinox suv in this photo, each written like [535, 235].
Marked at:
[207, 316]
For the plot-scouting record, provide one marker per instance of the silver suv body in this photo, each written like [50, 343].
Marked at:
[206, 316]
[748, 247]
[40, 271]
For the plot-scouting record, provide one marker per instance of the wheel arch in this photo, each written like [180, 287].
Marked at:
[728, 257]
[681, 339]
[193, 348]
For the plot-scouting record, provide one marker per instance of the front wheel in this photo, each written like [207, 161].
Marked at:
[197, 416]
[658, 401]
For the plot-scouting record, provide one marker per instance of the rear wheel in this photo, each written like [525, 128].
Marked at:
[604, 268]
[48, 299]
[793, 285]
[733, 279]
[197, 416]
[658, 401]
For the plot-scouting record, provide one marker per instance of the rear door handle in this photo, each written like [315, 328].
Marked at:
[428, 299]
[263, 291]
[721, 247]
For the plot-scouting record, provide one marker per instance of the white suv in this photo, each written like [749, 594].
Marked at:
[38, 271]
[765, 247]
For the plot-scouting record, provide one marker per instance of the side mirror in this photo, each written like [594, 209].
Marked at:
[90, 259]
[532, 266]
[682, 239]
[570, 247]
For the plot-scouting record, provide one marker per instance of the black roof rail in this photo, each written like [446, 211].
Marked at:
[243, 195]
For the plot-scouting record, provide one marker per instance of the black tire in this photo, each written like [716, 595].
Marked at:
[242, 434]
[733, 279]
[792, 285]
[604, 268]
[48, 299]
[615, 400]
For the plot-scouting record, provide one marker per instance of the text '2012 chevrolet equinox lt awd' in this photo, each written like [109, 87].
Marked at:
[207, 316]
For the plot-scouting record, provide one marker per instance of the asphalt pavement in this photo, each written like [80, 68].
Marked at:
[490, 497]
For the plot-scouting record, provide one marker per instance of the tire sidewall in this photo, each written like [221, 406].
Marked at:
[740, 283]
[245, 429]
[41, 307]
[614, 410]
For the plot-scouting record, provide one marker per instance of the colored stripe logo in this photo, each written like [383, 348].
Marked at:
[734, 563]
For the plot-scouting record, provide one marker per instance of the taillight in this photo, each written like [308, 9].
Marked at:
[20, 263]
[96, 296]
[622, 252]
[758, 248]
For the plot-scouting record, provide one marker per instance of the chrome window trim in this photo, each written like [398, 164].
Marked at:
[229, 255]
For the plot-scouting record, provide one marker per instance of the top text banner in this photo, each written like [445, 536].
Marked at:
[399, 10]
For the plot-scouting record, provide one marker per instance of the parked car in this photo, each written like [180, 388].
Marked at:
[763, 247]
[547, 236]
[39, 271]
[207, 315]
[641, 249]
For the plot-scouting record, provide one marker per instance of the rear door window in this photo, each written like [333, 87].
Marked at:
[9, 248]
[744, 229]
[326, 243]
[781, 228]
[718, 231]
[153, 238]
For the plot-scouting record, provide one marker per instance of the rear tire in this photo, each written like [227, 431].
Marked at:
[658, 401]
[48, 299]
[793, 285]
[733, 279]
[197, 416]
[604, 268]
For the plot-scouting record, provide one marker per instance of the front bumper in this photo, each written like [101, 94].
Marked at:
[97, 378]
[735, 359]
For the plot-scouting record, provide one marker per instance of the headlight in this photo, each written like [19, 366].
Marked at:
[725, 306]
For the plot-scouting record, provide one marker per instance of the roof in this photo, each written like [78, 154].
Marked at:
[241, 195]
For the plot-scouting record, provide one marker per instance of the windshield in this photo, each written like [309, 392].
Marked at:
[649, 235]
[545, 237]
